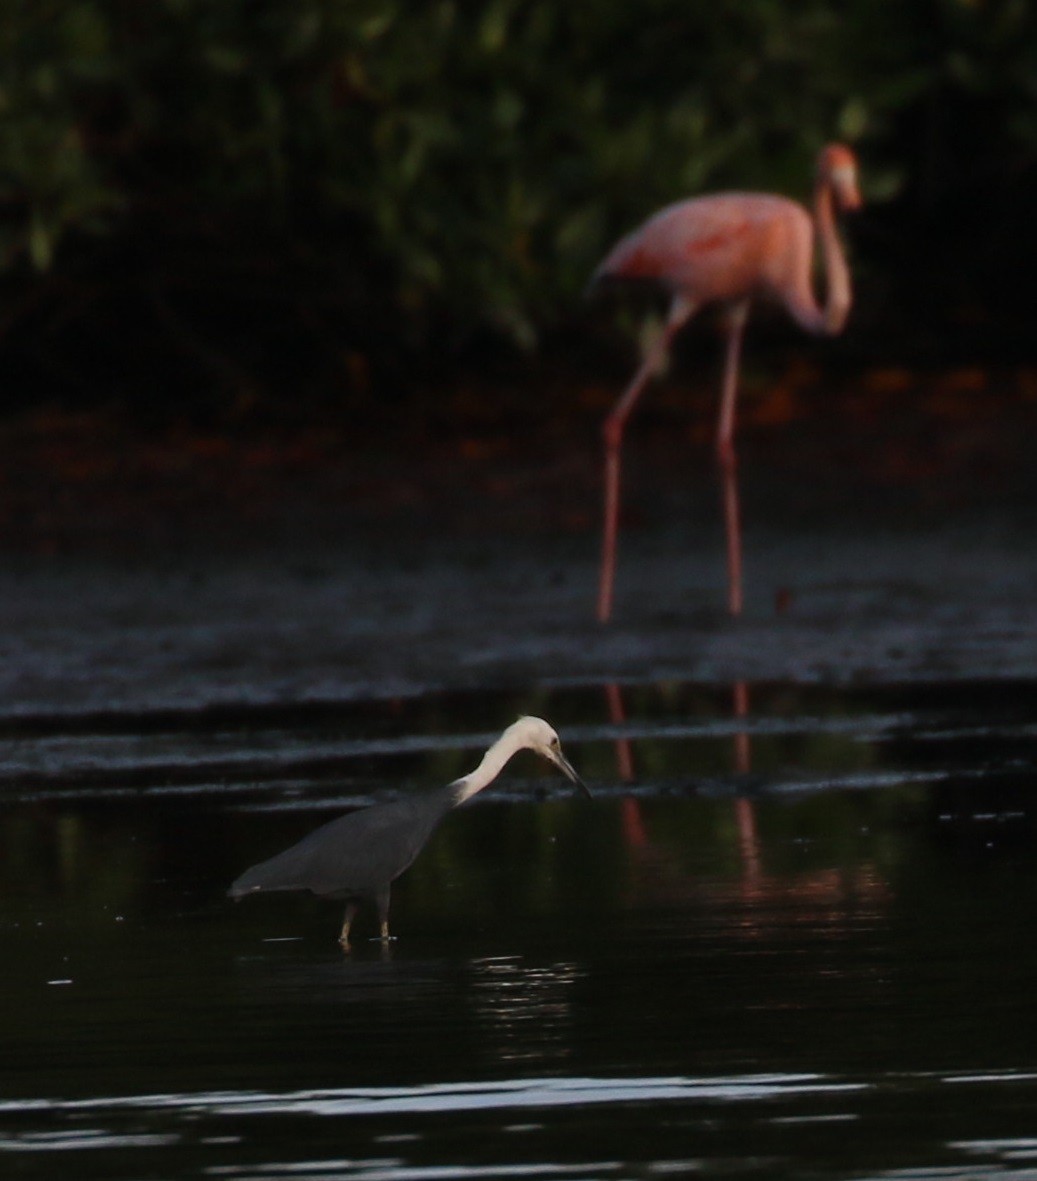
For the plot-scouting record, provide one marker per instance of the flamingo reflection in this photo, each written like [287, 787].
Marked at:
[634, 833]
[633, 826]
[825, 896]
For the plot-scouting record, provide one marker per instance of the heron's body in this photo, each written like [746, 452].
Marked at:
[358, 856]
[349, 858]
[728, 249]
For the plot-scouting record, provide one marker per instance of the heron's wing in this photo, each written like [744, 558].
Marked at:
[360, 853]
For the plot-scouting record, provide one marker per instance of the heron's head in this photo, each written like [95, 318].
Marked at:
[837, 168]
[537, 735]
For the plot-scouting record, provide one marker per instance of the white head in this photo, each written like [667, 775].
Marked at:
[536, 735]
[527, 733]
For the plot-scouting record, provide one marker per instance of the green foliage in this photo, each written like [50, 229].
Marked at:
[467, 162]
[49, 174]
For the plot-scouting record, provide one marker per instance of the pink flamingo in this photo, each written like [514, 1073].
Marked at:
[729, 248]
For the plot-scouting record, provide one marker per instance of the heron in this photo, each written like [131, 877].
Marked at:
[358, 856]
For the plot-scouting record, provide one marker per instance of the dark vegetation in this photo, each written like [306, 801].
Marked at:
[313, 202]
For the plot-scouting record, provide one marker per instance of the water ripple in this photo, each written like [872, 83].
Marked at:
[457, 1097]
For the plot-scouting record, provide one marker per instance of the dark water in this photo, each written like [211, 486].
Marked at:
[791, 941]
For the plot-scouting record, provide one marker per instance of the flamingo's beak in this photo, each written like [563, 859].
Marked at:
[844, 181]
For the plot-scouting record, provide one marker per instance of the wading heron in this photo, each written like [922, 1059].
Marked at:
[360, 855]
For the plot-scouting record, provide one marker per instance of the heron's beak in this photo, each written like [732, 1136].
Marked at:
[569, 771]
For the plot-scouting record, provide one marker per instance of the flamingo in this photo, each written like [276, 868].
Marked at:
[728, 248]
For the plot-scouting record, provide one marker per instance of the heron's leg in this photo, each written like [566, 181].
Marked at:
[737, 317]
[681, 311]
[382, 899]
[347, 922]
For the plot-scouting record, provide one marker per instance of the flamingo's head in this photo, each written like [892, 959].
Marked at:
[837, 168]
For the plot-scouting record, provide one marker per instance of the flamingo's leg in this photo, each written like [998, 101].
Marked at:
[681, 310]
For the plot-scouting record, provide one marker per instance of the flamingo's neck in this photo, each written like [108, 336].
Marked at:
[838, 294]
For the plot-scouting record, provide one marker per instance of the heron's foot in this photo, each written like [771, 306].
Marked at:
[344, 943]
[386, 938]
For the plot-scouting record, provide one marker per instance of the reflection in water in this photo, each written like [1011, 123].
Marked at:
[635, 836]
[633, 825]
[624, 752]
[617, 716]
[826, 900]
[524, 1011]
[748, 842]
[743, 755]
[835, 981]
[650, 860]
[823, 898]
[749, 1124]
[518, 1093]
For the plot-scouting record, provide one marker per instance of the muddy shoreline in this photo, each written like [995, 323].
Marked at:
[304, 572]
[189, 631]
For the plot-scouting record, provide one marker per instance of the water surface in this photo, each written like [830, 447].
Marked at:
[791, 937]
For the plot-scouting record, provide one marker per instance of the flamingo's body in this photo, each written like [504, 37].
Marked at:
[729, 248]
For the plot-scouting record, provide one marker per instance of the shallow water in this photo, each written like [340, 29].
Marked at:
[792, 936]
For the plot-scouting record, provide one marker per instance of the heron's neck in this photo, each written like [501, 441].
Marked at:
[838, 295]
[491, 766]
